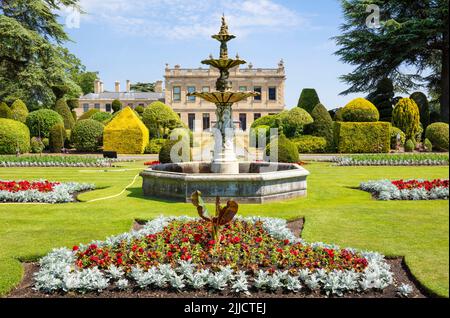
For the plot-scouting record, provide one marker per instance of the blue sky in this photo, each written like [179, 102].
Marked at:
[134, 39]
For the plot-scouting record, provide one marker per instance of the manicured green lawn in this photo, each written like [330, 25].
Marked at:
[335, 212]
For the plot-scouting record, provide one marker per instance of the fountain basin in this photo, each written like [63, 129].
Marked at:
[255, 183]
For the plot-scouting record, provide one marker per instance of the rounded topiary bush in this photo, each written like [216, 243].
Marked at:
[87, 135]
[427, 145]
[36, 145]
[140, 110]
[154, 145]
[19, 111]
[57, 138]
[89, 114]
[269, 120]
[295, 121]
[41, 121]
[14, 136]
[287, 150]
[101, 117]
[394, 133]
[311, 144]
[322, 125]
[63, 109]
[5, 111]
[160, 119]
[406, 117]
[409, 146]
[360, 110]
[438, 134]
[116, 105]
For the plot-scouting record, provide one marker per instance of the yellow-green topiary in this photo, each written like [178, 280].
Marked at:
[360, 110]
[406, 116]
[126, 134]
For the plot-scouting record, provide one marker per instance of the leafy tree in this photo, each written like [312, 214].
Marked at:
[412, 33]
[32, 59]
[382, 98]
[308, 99]
[143, 87]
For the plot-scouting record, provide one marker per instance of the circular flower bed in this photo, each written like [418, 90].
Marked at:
[408, 190]
[40, 191]
[179, 254]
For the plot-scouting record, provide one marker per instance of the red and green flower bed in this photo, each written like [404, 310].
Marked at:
[437, 189]
[43, 191]
[180, 254]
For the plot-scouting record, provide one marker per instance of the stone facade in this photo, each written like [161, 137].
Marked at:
[102, 100]
[200, 115]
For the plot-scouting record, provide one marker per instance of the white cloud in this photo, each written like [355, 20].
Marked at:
[187, 19]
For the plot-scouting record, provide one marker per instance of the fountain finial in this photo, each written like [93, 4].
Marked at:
[224, 27]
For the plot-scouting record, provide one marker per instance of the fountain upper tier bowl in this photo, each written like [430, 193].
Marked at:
[224, 97]
[257, 182]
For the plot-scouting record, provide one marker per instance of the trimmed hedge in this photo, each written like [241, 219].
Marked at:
[394, 132]
[438, 134]
[57, 138]
[5, 111]
[406, 116]
[73, 103]
[41, 121]
[36, 145]
[311, 144]
[360, 110]
[19, 111]
[362, 137]
[126, 133]
[87, 135]
[154, 146]
[287, 150]
[89, 114]
[308, 99]
[427, 145]
[63, 109]
[14, 136]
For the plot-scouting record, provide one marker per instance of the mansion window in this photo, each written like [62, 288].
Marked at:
[191, 89]
[176, 94]
[272, 93]
[191, 121]
[242, 88]
[205, 89]
[256, 116]
[108, 108]
[206, 122]
[258, 89]
[243, 121]
[97, 106]
[85, 107]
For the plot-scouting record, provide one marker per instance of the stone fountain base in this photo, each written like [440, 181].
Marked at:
[255, 183]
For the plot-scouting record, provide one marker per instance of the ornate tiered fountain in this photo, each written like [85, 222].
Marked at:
[225, 176]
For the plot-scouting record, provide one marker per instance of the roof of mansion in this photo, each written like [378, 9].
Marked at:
[123, 96]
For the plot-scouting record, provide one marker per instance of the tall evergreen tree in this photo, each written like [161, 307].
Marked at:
[413, 33]
[382, 98]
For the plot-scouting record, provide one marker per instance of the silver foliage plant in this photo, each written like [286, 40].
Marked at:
[62, 193]
[385, 190]
[58, 271]
[351, 161]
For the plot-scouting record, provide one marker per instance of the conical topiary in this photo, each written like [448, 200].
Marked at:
[19, 111]
[406, 117]
[382, 98]
[424, 108]
[322, 125]
[63, 109]
[308, 99]
[57, 138]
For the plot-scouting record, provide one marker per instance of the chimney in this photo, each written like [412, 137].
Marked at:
[102, 87]
[158, 87]
[96, 86]
[117, 87]
[128, 86]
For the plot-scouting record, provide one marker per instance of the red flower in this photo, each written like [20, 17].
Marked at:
[75, 248]
[119, 261]
[258, 240]
[184, 240]
[169, 254]
[286, 242]
[235, 240]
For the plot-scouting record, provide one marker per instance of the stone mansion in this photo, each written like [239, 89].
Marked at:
[197, 114]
